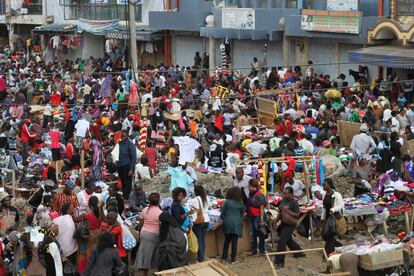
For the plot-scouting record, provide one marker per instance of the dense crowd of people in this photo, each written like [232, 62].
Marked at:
[126, 128]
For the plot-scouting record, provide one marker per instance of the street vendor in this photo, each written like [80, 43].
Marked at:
[9, 215]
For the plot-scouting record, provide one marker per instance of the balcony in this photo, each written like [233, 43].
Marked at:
[73, 10]
[28, 7]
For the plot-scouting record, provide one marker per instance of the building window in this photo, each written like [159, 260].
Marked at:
[405, 7]
[106, 11]
[2, 7]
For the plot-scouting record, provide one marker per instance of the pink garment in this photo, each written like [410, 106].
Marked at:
[150, 216]
[65, 238]
[16, 111]
[133, 94]
[54, 137]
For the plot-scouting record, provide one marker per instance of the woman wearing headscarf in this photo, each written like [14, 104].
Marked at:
[98, 160]
[172, 246]
[332, 203]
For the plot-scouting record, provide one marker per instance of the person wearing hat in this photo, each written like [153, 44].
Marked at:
[36, 199]
[137, 198]
[66, 196]
[9, 215]
[362, 144]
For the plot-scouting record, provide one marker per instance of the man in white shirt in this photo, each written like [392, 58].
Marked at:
[241, 180]
[82, 126]
[147, 96]
[297, 186]
[256, 149]
[362, 144]
[306, 143]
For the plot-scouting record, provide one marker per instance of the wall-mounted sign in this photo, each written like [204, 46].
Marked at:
[117, 35]
[342, 5]
[238, 18]
[331, 22]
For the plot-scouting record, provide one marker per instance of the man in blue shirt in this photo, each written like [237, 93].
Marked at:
[126, 163]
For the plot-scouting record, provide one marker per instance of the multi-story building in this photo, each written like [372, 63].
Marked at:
[390, 40]
[277, 32]
[88, 22]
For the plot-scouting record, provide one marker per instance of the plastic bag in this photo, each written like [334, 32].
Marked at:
[128, 240]
[192, 242]
[329, 229]
[263, 231]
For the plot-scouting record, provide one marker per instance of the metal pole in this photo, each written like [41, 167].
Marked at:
[133, 39]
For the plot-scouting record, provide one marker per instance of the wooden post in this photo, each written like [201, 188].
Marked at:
[306, 175]
[57, 171]
[14, 183]
[407, 222]
[271, 265]
[82, 163]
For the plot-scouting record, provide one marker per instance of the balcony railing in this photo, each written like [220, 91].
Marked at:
[2, 7]
[100, 12]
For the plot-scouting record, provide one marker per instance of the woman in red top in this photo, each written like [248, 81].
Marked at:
[151, 153]
[116, 230]
[93, 219]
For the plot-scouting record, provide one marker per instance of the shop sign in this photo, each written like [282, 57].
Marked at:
[117, 35]
[235, 18]
[331, 22]
[342, 5]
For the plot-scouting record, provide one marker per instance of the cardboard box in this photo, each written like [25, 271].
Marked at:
[381, 260]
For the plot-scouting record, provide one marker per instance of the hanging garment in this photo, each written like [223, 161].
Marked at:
[223, 55]
[55, 41]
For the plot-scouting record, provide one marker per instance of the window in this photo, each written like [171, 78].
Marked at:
[107, 11]
[405, 7]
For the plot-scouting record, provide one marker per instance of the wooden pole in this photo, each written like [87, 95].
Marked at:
[14, 183]
[82, 163]
[271, 265]
[57, 171]
[299, 251]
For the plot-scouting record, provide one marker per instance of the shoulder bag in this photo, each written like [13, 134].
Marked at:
[200, 215]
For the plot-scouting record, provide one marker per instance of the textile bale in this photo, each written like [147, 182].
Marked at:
[265, 111]
[333, 166]
[347, 131]
[381, 260]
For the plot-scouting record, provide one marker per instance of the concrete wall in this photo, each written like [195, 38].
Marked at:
[245, 50]
[92, 45]
[53, 8]
[185, 48]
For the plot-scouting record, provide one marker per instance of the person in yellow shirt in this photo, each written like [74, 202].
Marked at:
[105, 120]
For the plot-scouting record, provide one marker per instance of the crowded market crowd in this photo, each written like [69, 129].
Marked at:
[84, 137]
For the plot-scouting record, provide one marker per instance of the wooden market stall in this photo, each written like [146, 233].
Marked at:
[209, 268]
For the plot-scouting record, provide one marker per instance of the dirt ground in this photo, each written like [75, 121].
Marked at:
[310, 265]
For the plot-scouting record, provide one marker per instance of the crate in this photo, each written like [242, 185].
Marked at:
[381, 260]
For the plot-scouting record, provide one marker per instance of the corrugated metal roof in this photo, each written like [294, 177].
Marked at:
[387, 56]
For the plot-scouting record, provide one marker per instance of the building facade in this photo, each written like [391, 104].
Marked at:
[274, 31]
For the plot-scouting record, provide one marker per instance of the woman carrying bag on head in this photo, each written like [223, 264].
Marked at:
[288, 216]
[332, 211]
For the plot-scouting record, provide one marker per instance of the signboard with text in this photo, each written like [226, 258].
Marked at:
[238, 18]
[331, 22]
[342, 5]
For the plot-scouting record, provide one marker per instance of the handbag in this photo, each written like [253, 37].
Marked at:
[340, 224]
[288, 219]
[200, 215]
[263, 231]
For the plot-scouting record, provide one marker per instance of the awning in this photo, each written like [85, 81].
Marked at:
[142, 34]
[387, 56]
[55, 28]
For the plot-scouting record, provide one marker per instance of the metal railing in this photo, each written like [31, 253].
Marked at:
[100, 12]
[2, 7]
